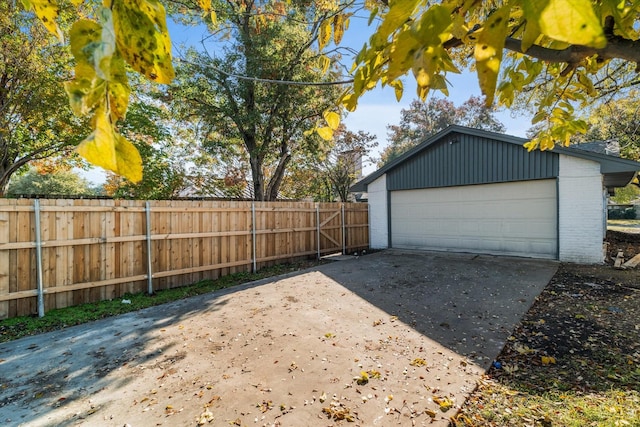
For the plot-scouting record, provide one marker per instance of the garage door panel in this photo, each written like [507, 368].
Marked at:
[516, 218]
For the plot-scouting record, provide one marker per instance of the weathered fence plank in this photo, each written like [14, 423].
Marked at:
[97, 249]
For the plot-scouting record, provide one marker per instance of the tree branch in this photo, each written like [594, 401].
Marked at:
[617, 48]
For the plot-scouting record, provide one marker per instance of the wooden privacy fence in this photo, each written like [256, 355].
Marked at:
[58, 253]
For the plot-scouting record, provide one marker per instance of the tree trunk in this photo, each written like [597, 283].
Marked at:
[276, 180]
[258, 178]
[4, 185]
[6, 170]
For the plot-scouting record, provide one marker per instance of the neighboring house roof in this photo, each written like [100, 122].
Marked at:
[610, 147]
[617, 171]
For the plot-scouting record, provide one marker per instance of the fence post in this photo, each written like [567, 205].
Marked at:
[318, 228]
[253, 236]
[344, 228]
[147, 211]
[36, 210]
[368, 226]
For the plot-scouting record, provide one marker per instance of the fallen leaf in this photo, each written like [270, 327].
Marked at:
[548, 360]
[362, 379]
[418, 362]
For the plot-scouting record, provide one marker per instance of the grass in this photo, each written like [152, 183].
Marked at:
[573, 361]
[18, 327]
[498, 404]
[624, 225]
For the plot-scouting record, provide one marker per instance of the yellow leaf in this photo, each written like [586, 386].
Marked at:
[338, 28]
[418, 362]
[401, 54]
[398, 88]
[488, 51]
[110, 150]
[444, 402]
[324, 34]
[530, 35]
[398, 13]
[214, 17]
[548, 360]
[325, 133]
[143, 39]
[569, 21]
[47, 12]
[332, 119]
[205, 5]
[349, 101]
[325, 63]
[362, 379]
[118, 89]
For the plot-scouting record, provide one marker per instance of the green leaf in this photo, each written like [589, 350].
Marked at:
[332, 119]
[100, 70]
[569, 21]
[110, 150]
[540, 116]
[488, 51]
[372, 16]
[143, 39]
[86, 91]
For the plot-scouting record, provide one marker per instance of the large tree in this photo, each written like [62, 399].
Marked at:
[619, 120]
[423, 119]
[235, 94]
[61, 182]
[34, 124]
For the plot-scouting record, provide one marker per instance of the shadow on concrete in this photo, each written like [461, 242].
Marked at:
[468, 303]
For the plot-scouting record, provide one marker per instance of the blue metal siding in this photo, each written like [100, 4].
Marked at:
[461, 159]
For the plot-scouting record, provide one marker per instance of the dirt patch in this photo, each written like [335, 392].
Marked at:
[628, 243]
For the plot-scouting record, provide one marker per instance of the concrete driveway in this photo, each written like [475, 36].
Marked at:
[390, 338]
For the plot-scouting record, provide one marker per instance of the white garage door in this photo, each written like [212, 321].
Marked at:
[515, 218]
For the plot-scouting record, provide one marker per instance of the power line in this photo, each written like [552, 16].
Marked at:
[274, 81]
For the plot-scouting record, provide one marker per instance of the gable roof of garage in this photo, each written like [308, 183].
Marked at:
[535, 165]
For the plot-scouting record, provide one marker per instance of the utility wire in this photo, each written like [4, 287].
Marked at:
[282, 82]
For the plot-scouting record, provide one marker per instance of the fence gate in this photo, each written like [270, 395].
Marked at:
[331, 228]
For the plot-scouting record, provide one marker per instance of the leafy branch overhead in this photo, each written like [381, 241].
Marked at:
[132, 32]
[550, 55]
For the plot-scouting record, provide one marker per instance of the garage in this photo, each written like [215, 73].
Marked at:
[468, 190]
[517, 218]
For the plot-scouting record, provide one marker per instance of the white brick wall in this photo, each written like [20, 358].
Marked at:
[580, 210]
[378, 224]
